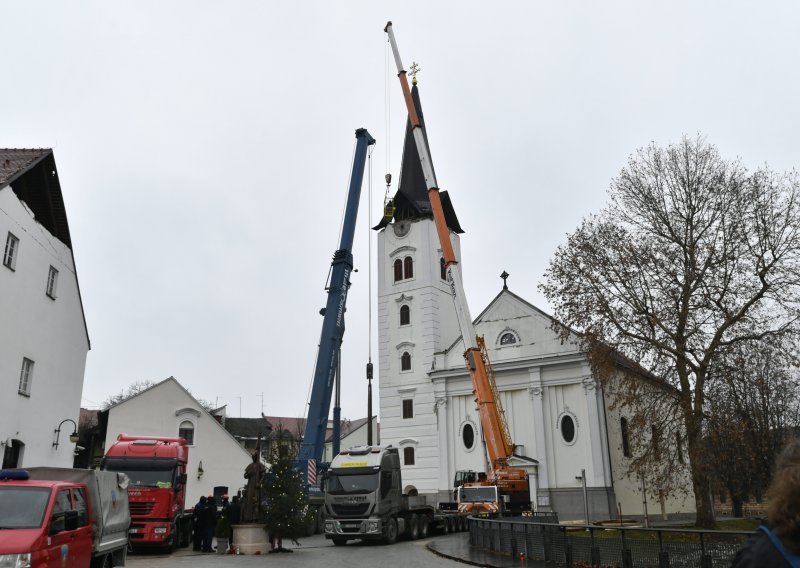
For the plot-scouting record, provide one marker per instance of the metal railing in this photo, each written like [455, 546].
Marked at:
[626, 547]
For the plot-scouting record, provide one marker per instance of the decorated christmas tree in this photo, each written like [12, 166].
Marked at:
[286, 511]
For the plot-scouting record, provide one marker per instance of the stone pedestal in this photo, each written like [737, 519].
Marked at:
[250, 539]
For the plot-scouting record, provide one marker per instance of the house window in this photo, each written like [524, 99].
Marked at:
[405, 361]
[626, 441]
[52, 279]
[25, 377]
[398, 270]
[10, 255]
[408, 265]
[186, 430]
[408, 408]
[442, 269]
[408, 456]
[508, 339]
[405, 315]
[12, 455]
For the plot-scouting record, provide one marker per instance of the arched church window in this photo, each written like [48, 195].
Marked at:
[442, 269]
[656, 441]
[405, 315]
[468, 436]
[626, 441]
[567, 428]
[398, 270]
[508, 338]
[408, 264]
[405, 361]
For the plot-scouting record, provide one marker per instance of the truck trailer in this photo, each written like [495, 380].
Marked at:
[364, 500]
[54, 517]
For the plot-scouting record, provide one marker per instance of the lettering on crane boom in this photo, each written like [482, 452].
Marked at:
[342, 299]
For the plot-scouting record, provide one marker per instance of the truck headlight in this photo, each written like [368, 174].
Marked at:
[15, 560]
[373, 526]
[328, 526]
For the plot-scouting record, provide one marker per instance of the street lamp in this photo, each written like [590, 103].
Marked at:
[73, 438]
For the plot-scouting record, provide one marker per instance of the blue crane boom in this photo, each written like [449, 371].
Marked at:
[333, 321]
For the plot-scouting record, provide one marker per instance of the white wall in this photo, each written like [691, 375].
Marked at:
[433, 327]
[357, 437]
[157, 412]
[49, 332]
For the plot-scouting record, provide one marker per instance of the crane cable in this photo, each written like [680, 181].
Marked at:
[387, 100]
[369, 257]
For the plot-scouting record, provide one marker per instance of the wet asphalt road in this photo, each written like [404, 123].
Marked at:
[313, 551]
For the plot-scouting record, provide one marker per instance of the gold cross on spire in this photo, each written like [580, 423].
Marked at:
[415, 68]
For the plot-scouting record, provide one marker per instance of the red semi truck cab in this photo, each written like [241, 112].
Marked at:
[157, 493]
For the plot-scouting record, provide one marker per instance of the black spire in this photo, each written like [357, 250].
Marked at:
[411, 199]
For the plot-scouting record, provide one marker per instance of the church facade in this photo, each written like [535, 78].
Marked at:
[565, 430]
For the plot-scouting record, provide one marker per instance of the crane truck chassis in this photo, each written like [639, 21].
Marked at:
[364, 500]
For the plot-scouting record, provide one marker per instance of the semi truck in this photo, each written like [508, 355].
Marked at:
[364, 500]
[54, 517]
[156, 467]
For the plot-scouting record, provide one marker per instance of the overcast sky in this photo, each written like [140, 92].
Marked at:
[204, 152]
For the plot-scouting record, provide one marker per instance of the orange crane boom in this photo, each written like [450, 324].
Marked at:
[498, 442]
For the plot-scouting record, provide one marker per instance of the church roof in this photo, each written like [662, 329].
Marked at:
[411, 199]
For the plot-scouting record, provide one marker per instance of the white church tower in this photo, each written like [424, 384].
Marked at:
[416, 319]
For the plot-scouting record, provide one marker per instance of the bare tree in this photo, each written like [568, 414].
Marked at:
[753, 413]
[141, 386]
[693, 254]
[131, 391]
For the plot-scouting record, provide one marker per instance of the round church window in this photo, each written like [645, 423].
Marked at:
[567, 428]
[468, 435]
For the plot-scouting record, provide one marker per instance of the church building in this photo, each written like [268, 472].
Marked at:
[564, 427]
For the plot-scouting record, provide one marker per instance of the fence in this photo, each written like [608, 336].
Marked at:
[606, 546]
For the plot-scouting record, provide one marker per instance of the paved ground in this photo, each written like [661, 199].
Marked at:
[446, 551]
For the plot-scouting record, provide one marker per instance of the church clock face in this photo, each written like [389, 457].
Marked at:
[401, 228]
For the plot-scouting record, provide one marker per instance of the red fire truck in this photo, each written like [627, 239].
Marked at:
[157, 493]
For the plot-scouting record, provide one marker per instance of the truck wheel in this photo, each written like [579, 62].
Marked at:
[321, 520]
[338, 541]
[423, 526]
[187, 533]
[102, 562]
[391, 532]
[413, 528]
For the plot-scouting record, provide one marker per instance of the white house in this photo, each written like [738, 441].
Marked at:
[43, 334]
[351, 433]
[559, 418]
[216, 459]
